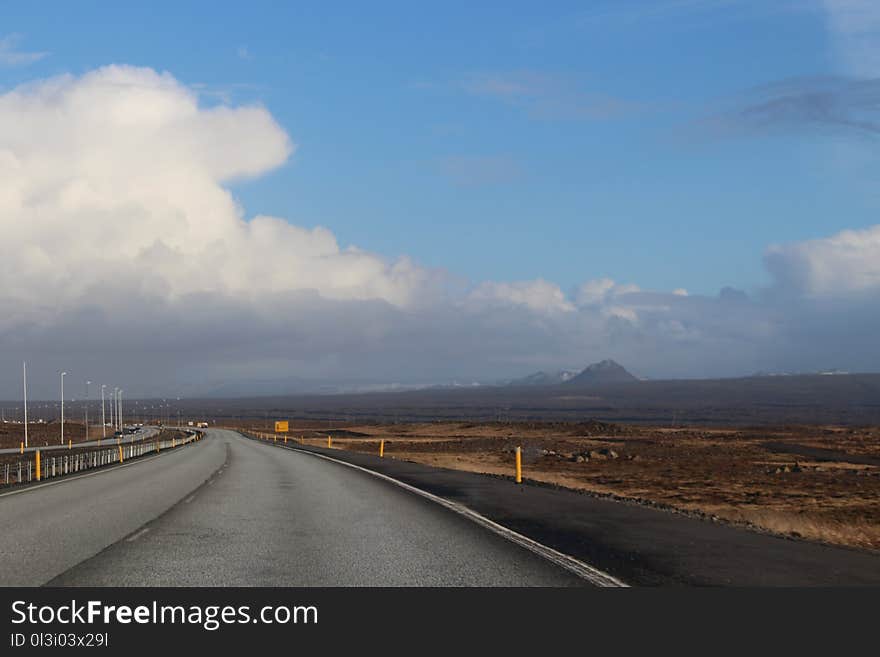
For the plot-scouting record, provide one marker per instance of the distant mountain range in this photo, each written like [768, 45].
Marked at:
[605, 371]
[819, 372]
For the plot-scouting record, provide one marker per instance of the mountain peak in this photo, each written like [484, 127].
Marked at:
[605, 371]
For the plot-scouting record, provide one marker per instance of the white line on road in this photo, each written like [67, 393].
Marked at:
[137, 535]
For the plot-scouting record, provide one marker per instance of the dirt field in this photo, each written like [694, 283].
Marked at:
[820, 483]
[11, 434]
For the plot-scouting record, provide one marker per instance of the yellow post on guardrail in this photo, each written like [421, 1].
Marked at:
[285, 439]
[381, 449]
[38, 465]
[21, 451]
[121, 459]
[519, 465]
[329, 442]
[69, 444]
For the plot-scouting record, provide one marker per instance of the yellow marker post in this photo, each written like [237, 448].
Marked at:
[329, 442]
[22, 448]
[120, 454]
[38, 465]
[381, 449]
[519, 465]
[69, 444]
[276, 438]
[285, 439]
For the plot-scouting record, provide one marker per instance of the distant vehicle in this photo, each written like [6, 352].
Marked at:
[202, 425]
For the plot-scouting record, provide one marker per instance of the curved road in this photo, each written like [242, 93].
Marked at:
[233, 512]
[146, 432]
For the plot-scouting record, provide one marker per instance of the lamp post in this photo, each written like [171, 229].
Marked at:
[63, 374]
[103, 417]
[88, 383]
[24, 377]
[119, 412]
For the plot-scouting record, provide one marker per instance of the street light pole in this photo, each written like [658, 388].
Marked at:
[87, 409]
[119, 414]
[24, 377]
[63, 374]
[103, 417]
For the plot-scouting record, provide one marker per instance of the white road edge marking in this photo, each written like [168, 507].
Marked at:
[137, 535]
[583, 570]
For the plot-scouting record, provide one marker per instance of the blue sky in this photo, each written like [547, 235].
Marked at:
[454, 191]
[412, 141]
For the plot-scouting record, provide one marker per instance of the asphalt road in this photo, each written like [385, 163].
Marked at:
[146, 432]
[263, 517]
[45, 529]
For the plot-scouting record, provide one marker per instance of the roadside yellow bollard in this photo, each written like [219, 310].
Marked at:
[22, 448]
[276, 438]
[69, 444]
[120, 454]
[329, 442]
[38, 465]
[519, 465]
[381, 449]
[285, 440]
[173, 442]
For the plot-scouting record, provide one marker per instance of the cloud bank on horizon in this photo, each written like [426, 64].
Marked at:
[122, 247]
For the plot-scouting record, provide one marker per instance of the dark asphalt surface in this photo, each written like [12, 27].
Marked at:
[272, 517]
[49, 527]
[637, 544]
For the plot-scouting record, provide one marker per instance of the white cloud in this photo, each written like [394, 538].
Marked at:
[121, 171]
[10, 55]
[538, 295]
[843, 264]
[601, 290]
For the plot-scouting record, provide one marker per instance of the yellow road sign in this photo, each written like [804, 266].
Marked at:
[281, 427]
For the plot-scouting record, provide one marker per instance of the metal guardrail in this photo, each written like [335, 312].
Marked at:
[40, 468]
